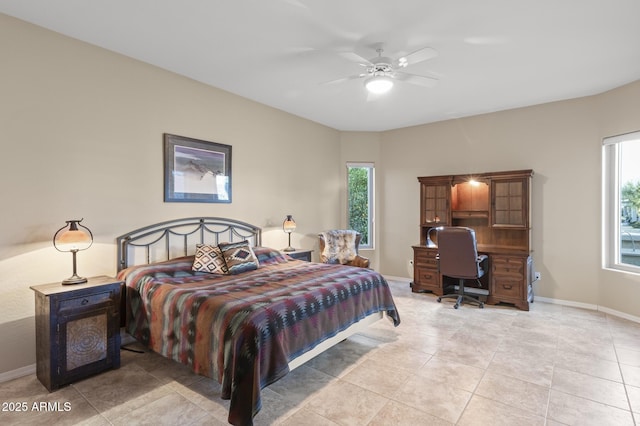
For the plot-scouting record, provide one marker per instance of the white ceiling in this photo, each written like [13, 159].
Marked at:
[493, 54]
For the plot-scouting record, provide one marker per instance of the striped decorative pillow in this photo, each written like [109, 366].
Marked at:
[269, 256]
[239, 257]
[209, 259]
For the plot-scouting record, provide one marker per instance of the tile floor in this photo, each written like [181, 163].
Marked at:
[553, 365]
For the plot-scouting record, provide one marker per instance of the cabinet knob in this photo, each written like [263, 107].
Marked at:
[507, 286]
[84, 301]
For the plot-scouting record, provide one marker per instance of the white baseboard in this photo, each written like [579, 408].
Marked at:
[17, 373]
[619, 314]
[570, 303]
[589, 306]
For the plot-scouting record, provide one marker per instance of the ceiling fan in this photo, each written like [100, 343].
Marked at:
[381, 71]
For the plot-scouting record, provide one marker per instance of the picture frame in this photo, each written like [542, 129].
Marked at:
[196, 171]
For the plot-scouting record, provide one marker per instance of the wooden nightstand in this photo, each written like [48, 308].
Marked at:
[77, 330]
[300, 254]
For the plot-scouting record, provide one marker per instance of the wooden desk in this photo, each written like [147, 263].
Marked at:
[508, 275]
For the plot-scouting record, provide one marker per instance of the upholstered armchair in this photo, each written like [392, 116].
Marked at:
[341, 246]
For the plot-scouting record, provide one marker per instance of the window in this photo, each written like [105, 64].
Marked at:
[621, 202]
[360, 201]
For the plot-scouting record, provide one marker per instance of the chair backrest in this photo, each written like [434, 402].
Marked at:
[458, 252]
[339, 237]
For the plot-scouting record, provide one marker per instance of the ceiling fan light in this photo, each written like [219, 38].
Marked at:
[378, 84]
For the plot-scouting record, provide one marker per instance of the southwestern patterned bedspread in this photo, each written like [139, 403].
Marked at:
[244, 329]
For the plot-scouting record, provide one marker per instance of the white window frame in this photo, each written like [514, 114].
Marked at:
[611, 214]
[371, 186]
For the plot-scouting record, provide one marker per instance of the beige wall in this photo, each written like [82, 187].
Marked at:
[561, 142]
[82, 137]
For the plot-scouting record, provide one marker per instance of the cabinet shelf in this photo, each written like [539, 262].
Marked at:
[470, 214]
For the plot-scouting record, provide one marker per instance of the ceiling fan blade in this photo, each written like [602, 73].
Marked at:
[419, 80]
[354, 57]
[417, 56]
[342, 80]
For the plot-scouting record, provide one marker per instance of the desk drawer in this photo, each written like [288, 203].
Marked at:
[427, 262]
[426, 258]
[507, 265]
[427, 276]
[506, 287]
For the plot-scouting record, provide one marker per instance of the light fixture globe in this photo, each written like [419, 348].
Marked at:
[378, 84]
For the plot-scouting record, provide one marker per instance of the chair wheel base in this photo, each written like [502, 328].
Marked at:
[461, 300]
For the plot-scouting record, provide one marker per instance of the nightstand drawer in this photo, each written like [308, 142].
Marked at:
[86, 301]
[300, 254]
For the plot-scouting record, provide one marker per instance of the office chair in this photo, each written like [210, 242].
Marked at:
[458, 258]
[341, 246]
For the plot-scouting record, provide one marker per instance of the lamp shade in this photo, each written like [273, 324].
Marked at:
[289, 225]
[73, 239]
[378, 84]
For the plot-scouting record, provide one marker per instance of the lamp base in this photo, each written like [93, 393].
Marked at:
[289, 249]
[74, 279]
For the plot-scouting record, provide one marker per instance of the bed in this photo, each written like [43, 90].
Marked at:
[246, 327]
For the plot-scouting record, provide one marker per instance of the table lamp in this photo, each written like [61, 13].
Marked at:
[288, 226]
[73, 237]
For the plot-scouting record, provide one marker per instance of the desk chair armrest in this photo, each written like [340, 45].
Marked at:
[482, 264]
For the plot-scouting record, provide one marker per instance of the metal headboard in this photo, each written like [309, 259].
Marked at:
[176, 238]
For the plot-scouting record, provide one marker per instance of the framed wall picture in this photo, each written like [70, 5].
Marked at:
[196, 171]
